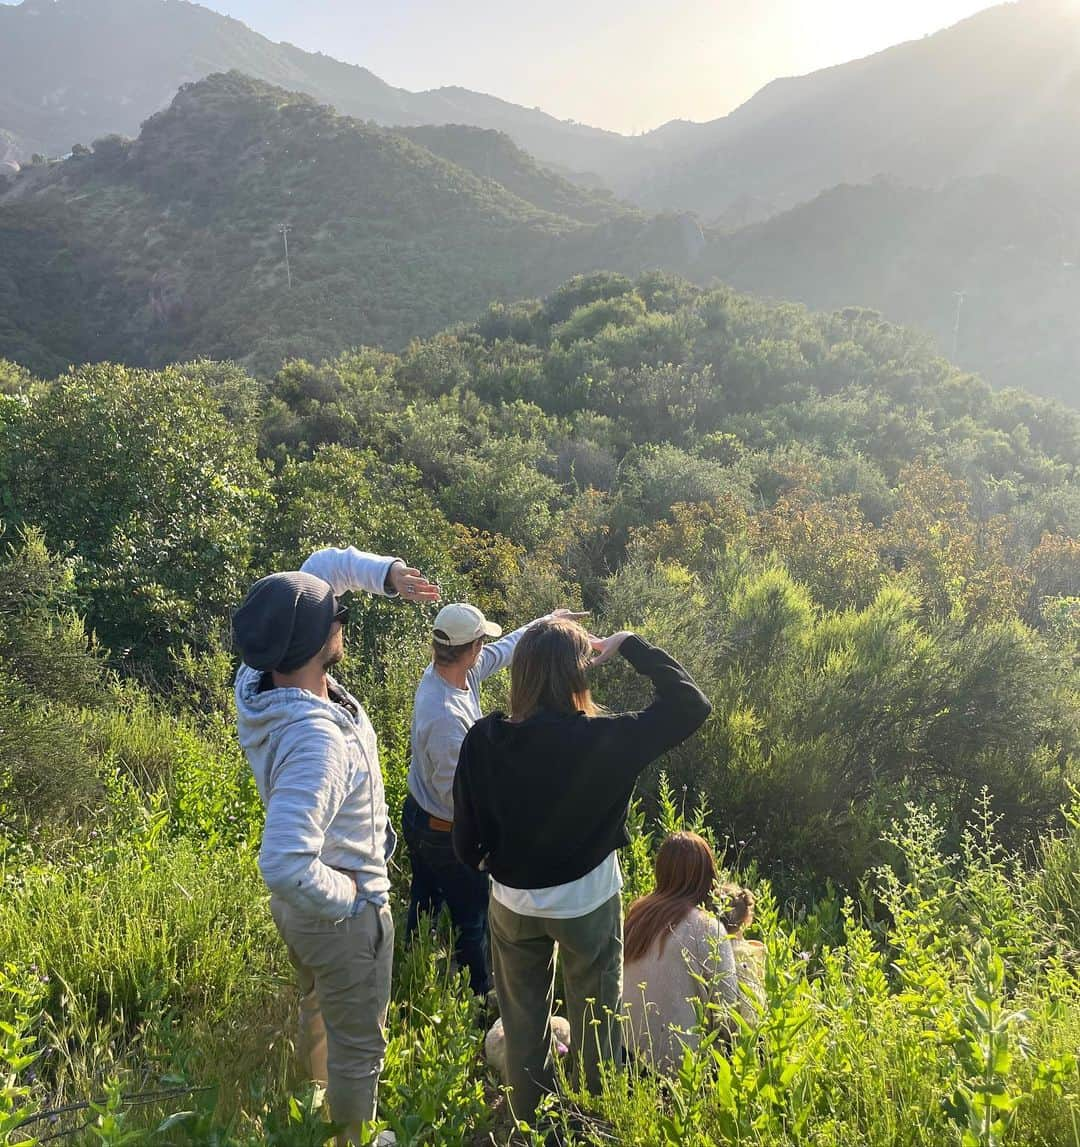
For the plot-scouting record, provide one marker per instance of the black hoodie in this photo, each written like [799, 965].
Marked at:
[543, 802]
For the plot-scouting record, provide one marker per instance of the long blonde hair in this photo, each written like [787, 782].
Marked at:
[548, 671]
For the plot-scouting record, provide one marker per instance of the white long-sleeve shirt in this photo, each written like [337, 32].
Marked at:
[316, 765]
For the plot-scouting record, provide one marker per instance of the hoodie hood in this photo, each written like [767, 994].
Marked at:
[265, 719]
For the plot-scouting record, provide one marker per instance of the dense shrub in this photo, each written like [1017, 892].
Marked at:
[140, 478]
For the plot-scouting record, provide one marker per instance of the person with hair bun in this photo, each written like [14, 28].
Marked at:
[541, 798]
[679, 955]
[737, 914]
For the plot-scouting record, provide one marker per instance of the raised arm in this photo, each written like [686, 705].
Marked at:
[353, 569]
[305, 793]
[678, 708]
[497, 655]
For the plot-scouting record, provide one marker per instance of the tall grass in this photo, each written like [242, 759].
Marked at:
[138, 961]
[943, 1008]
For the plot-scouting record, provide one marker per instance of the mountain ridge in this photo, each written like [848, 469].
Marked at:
[985, 266]
[52, 49]
[175, 238]
[971, 99]
[996, 93]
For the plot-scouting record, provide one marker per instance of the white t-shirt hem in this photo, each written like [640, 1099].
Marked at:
[565, 901]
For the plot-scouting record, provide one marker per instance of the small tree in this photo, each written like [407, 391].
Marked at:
[139, 477]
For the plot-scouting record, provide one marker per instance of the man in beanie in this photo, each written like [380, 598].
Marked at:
[327, 838]
[447, 705]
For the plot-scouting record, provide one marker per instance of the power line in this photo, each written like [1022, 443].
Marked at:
[285, 229]
[960, 295]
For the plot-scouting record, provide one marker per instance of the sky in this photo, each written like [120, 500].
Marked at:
[627, 65]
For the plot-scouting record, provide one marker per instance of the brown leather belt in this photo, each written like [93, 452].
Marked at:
[439, 825]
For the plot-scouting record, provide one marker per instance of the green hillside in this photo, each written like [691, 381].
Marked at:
[911, 253]
[868, 559]
[583, 444]
[494, 155]
[170, 246]
[996, 94]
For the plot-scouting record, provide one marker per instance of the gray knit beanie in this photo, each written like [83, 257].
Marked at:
[284, 621]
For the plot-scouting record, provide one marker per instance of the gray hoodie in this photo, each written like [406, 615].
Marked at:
[327, 838]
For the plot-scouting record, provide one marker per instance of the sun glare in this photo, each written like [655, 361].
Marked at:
[840, 30]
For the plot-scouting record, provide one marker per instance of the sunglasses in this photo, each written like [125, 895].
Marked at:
[341, 613]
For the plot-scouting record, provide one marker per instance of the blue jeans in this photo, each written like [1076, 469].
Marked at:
[439, 878]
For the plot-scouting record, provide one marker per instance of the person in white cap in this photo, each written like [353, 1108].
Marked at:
[447, 705]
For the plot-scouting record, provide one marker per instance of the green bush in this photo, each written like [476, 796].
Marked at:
[825, 723]
[140, 476]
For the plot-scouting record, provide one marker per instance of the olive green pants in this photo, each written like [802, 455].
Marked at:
[343, 971]
[524, 950]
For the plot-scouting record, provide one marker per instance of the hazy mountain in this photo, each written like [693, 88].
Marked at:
[494, 155]
[169, 246]
[73, 70]
[107, 256]
[912, 252]
[998, 93]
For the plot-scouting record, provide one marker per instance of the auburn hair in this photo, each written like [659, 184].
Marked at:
[548, 671]
[685, 879]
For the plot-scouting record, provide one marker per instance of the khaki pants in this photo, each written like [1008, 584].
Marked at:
[343, 971]
[523, 957]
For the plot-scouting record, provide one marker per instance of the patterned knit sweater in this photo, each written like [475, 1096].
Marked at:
[659, 990]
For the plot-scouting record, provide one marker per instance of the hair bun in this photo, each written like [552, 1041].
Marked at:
[739, 907]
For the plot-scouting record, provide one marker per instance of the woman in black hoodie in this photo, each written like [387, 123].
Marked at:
[540, 802]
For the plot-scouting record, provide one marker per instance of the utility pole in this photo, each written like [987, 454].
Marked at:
[960, 295]
[285, 229]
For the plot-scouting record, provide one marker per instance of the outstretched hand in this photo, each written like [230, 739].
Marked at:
[563, 613]
[605, 648]
[411, 585]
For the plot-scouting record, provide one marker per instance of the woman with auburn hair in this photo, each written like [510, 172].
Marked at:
[677, 951]
[541, 798]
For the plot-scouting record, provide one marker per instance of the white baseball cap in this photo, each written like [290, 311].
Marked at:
[461, 624]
